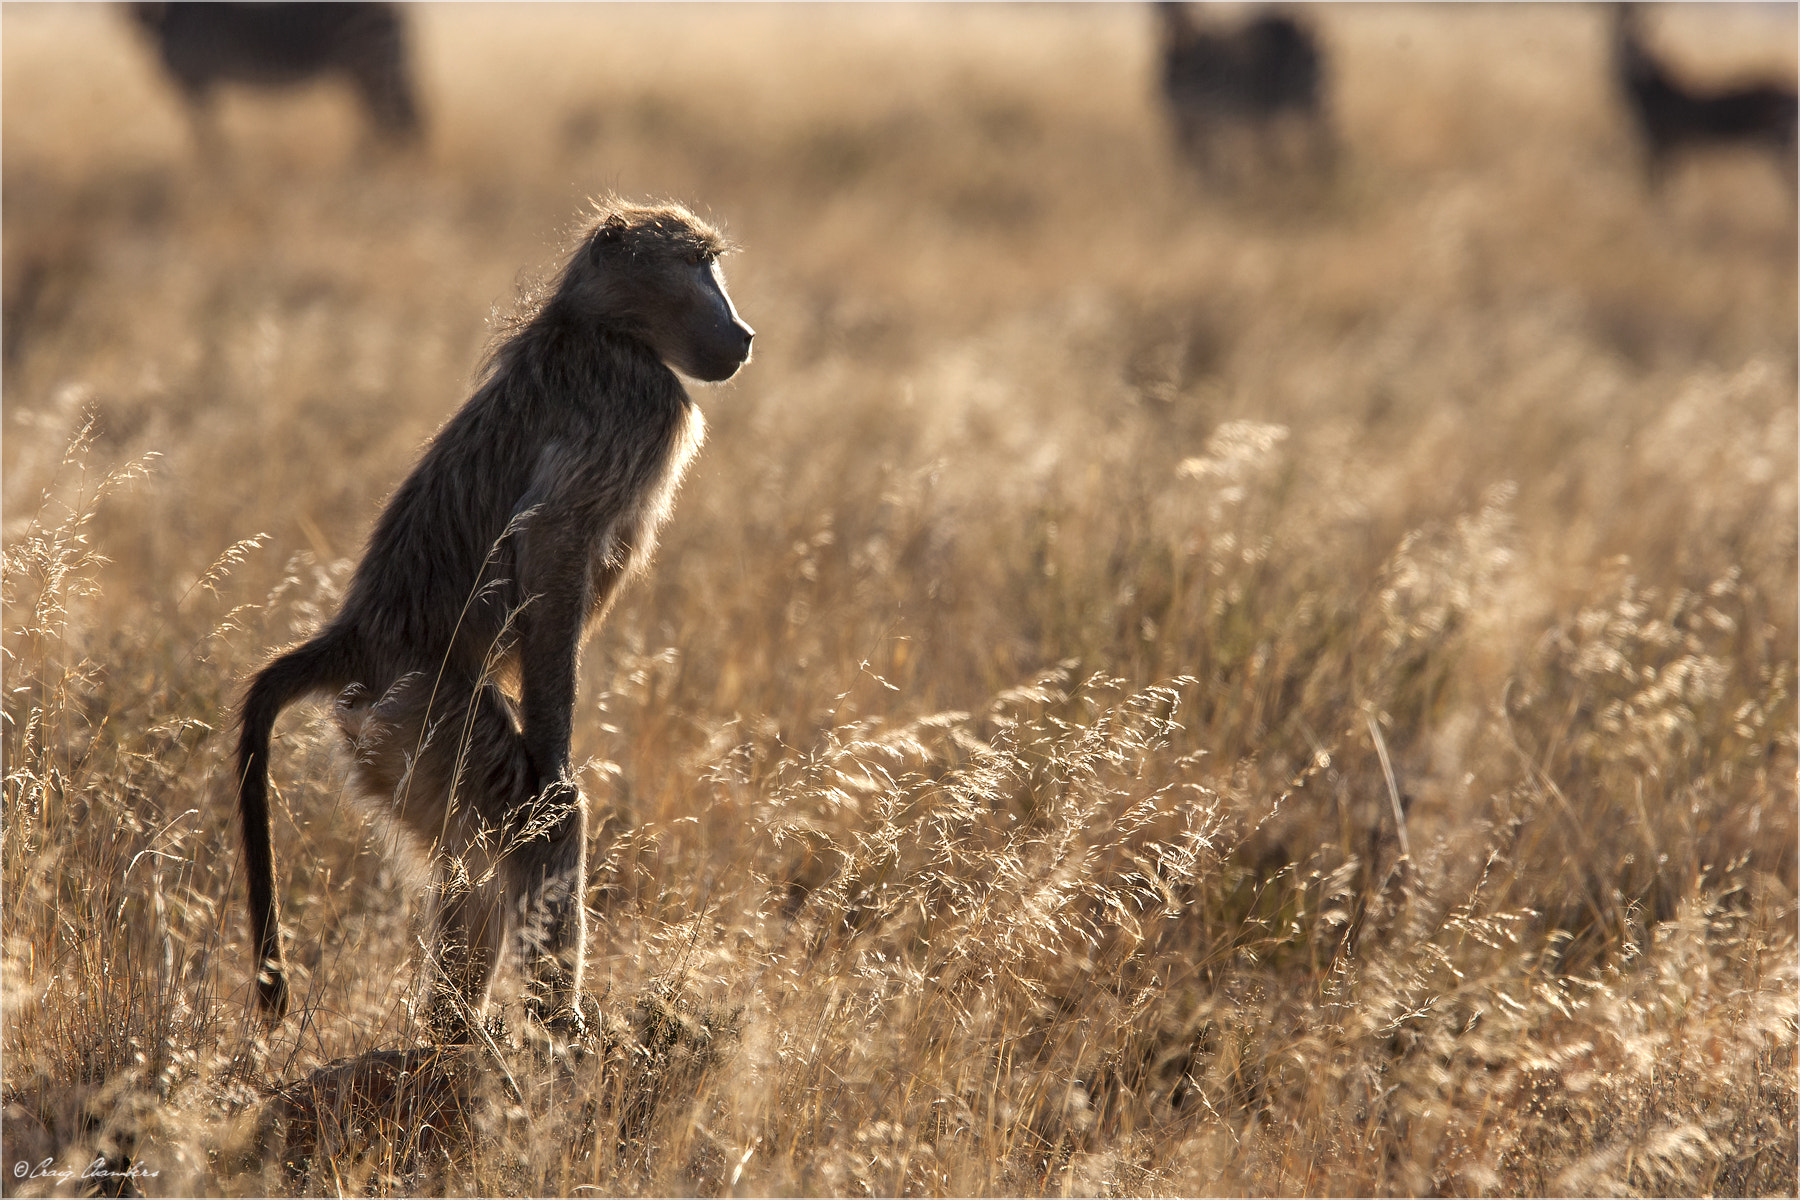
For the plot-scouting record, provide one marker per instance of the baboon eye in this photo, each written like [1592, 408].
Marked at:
[696, 257]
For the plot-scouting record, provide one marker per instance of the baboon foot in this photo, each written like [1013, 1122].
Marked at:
[451, 1031]
[569, 1033]
[451, 1022]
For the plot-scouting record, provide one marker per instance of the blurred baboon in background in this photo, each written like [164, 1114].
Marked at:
[273, 45]
[508, 539]
[1672, 117]
[1247, 97]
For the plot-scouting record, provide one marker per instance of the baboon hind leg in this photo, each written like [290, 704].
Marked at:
[470, 934]
[512, 854]
[549, 874]
[541, 860]
[447, 757]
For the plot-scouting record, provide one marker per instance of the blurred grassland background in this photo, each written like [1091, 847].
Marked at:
[988, 776]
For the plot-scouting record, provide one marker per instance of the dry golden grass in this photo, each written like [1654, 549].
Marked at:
[990, 774]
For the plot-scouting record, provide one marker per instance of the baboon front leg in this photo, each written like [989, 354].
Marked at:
[549, 870]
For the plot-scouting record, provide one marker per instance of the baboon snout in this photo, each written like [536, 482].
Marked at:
[722, 345]
[736, 334]
[725, 351]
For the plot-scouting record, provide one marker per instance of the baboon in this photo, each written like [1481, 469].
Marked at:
[271, 45]
[453, 657]
[1672, 117]
[1224, 84]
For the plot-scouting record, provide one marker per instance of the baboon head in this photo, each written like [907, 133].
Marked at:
[652, 272]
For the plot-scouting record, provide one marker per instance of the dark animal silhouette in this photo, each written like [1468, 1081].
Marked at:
[508, 539]
[1226, 84]
[272, 45]
[1672, 117]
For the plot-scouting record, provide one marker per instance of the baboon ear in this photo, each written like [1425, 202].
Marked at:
[610, 233]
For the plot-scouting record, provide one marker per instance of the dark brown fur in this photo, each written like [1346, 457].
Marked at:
[509, 538]
[1672, 116]
[1244, 80]
[276, 44]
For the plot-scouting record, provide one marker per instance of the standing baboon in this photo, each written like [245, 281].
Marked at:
[271, 45]
[1226, 85]
[509, 538]
[1672, 117]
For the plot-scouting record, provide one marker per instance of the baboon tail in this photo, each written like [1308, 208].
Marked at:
[320, 665]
